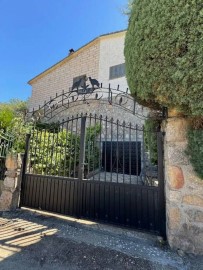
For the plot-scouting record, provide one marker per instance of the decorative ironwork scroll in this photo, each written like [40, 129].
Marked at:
[83, 93]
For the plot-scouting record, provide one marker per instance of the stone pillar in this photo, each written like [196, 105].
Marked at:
[184, 192]
[9, 199]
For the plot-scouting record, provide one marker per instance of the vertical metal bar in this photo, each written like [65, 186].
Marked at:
[117, 150]
[70, 150]
[56, 152]
[82, 148]
[64, 169]
[35, 138]
[111, 148]
[48, 152]
[75, 148]
[31, 149]
[130, 153]
[24, 165]
[94, 144]
[137, 156]
[100, 131]
[105, 146]
[143, 155]
[123, 151]
[52, 152]
[162, 214]
[43, 148]
[89, 146]
[81, 165]
[61, 148]
[151, 134]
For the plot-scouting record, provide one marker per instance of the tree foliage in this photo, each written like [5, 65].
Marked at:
[163, 51]
[10, 110]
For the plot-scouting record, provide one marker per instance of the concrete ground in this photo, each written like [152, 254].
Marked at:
[40, 240]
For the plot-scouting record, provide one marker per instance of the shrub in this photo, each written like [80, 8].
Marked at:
[53, 153]
[56, 151]
[163, 51]
[195, 150]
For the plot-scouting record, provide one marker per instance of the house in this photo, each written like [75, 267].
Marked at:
[106, 148]
[101, 59]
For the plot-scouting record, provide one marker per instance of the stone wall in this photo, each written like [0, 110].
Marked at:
[9, 198]
[184, 192]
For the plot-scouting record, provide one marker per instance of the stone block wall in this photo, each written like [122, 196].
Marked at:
[9, 197]
[184, 192]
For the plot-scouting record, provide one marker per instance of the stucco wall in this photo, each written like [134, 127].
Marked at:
[111, 54]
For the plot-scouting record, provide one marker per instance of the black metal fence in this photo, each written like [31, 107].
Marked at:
[97, 168]
[113, 151]
[6, 142]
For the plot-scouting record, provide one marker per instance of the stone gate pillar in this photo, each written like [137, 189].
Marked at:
[184, 191]
[9, 199]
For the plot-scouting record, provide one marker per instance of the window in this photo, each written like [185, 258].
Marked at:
[117, 71]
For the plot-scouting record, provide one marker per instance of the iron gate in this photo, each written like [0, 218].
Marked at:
[97, 168]
[6, 142]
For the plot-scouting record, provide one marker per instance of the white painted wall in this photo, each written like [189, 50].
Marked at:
[111, 54]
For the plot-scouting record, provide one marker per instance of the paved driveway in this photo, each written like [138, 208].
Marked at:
[37, 240]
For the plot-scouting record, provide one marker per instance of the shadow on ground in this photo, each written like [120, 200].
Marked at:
[31, 240]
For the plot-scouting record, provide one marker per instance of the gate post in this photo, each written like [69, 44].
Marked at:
[162, 203]
[24, 166]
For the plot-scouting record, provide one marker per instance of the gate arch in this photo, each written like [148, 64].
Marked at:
[84, 95]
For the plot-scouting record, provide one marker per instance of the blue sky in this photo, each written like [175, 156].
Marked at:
[35, 34]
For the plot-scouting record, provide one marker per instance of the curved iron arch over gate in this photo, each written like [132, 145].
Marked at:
[83, 93]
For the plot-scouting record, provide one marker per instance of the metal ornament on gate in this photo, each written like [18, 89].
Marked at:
[84, 91]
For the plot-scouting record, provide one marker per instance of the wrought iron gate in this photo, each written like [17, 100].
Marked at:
[97, 168]
[6, 142]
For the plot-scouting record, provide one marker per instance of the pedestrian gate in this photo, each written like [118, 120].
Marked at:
[96, 168]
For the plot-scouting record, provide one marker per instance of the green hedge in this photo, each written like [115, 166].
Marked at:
[195, 150]
[163, 51]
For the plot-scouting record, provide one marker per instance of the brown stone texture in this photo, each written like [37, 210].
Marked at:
[195, 215]
[176, 130]
[188, 239]
[10, 182]
[5, 200]
[176, 178]
[174, 196]
[175, 154]
[11, 162]
[174, 218]
[184, 192]
[193, 200]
